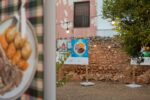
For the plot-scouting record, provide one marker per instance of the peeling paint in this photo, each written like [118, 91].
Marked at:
[70, 2]
[66, 13]
[57, 4]
[65, 19]
[60, 1]
[93, 21]
[64, 2]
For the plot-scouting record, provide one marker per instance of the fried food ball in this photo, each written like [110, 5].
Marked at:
[11, 50]
[23, 64]
[3, 41]
[26, 51]
[16, 57]
[19, 41]
[10, 34]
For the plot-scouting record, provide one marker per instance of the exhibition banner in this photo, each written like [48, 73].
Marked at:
[62, 45]
[79, 48]
[79, 52]
[69, 45]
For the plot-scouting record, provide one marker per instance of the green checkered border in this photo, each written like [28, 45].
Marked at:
[34, 10]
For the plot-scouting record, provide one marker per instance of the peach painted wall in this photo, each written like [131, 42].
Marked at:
[65, 12]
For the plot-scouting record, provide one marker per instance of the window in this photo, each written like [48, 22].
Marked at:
[82, 14]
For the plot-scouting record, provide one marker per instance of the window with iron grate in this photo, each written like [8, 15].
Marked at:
[82, 14]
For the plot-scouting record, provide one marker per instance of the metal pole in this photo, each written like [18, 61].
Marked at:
[87, 73]
[49, 50]
[133, 73]
[133, 84]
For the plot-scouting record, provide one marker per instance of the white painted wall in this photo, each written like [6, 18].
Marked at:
[104, 27]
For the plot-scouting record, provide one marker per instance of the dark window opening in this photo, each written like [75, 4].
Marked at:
[82, 14]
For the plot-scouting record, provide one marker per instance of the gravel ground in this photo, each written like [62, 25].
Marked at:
[102, 91]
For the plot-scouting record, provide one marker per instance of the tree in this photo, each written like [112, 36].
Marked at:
[132, 19]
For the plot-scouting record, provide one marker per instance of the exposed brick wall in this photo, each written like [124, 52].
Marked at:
[107, 64]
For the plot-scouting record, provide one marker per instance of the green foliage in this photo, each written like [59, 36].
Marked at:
[66, 78]
[63, 81]
[132, 19]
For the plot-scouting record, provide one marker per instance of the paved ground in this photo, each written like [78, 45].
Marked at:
[102, 91]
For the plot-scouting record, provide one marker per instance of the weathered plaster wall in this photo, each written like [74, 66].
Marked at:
[65, 12]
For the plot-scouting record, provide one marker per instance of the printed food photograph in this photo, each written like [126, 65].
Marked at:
[80, 47]
[18, 57]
